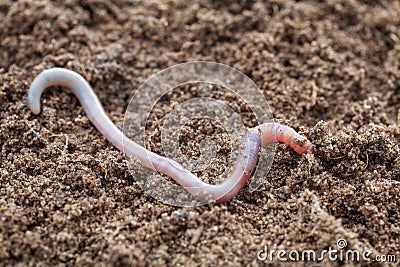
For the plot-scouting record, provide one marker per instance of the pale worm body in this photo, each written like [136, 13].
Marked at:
[254, 140]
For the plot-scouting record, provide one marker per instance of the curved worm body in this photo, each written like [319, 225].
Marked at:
[254, 140]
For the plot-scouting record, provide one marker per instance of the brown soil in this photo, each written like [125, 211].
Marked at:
[328, 68]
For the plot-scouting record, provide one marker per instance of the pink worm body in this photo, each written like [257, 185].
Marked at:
[246, 162]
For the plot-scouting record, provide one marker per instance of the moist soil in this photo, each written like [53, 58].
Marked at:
[329, 69]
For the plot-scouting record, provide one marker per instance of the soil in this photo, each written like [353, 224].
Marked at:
[330, 69]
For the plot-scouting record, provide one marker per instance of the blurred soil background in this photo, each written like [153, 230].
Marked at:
[330, 69]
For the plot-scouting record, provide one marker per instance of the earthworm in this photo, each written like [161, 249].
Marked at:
[253, 141]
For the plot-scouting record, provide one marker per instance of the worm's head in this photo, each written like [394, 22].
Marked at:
[302, 146]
